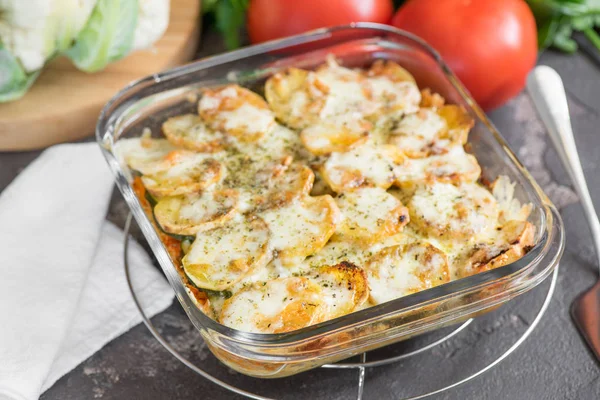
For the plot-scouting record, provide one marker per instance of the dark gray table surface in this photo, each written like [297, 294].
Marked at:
[553, 363]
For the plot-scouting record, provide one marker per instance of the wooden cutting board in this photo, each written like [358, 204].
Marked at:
[64, 103]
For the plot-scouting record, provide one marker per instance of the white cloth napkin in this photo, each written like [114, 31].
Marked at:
[63, 293]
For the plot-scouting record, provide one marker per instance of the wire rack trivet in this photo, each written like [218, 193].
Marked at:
[363, 364]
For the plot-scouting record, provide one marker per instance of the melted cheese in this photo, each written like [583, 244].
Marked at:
[181, 172]
[454, 166]
[142, 154]
[337, 251]
[302, 227]
[339, 133]
[291, 303]
[503, 246]
[425, 123]
[445, 210]
[344, 287]
[264, 184]
[251, 119]
[279, 305]
[219, 258]
[401, 270]
[366, 165]
[187, 215]
[345, 90]
[369, 215]
[191, 132]
[395, 96]
[236, 111]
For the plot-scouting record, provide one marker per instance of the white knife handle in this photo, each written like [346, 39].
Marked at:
[550, 99]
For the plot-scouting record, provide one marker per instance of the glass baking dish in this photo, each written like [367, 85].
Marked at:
[148, 102]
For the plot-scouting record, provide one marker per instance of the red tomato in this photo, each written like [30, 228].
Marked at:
[272, 19]
[490, 44]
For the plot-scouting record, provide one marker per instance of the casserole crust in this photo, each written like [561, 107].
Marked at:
[342, 189]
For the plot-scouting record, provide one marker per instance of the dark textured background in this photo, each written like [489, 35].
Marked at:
[553, 363]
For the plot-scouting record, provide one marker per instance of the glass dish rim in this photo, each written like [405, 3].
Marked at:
[550, 218]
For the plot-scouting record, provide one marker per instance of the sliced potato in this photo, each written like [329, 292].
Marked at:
[366, 165]
[404, 269]
[511, 242]
[291, 303]
[246, 172]
[143, 154]
[336, 134]
[330, 106]
[190, 132]
[279, 142]
[344, 286]
[219, 258]
[392, 88]
[432, 131]
[301, 228]
[343, 119]
[276, 306]
[346, 90]
[183, 172]
[236, 111]
[426, 123]
[337, 251]
[295, 182]
[188, 215]
[369, 216]
[417, 135]
[453, 211]
[290, 97]
[455, 166]
[267, 185]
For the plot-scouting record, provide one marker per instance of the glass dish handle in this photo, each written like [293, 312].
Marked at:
[550, 99]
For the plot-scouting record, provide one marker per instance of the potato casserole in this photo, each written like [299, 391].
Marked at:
[337, 190]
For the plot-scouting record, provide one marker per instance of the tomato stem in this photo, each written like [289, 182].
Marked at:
[592, 36]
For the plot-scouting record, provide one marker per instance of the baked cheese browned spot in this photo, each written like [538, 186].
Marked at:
[509, 243]
[330, 106]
